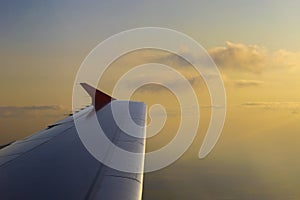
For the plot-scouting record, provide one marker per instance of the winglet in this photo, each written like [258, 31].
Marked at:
[99, 99]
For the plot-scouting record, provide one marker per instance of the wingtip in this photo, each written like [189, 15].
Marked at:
[99, 99]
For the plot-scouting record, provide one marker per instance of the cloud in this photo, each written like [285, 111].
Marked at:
[32, 111]
[160, 81]
[163, 86]
[49, 107]
[241, 83]
[284, 58]
[237, 57]
[246, 83]
[152, 88]
[293, 107]
[171, 59]
[271, 104]
[252, 58]
[240, 56]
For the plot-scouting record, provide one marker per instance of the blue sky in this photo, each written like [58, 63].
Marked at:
[71, 23]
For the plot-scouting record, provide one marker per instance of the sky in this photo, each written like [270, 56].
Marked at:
[255, 45]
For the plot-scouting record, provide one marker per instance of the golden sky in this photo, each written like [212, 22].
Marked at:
[255, 45]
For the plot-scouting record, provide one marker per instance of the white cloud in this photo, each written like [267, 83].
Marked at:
[253, 58]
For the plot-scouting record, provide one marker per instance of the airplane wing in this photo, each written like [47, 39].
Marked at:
[54, 164]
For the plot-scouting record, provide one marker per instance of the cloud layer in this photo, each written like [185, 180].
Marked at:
[293, 107]
[32, 111]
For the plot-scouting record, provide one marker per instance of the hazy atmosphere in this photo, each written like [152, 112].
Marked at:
[255, 44]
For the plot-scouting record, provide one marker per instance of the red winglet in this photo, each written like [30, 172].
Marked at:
[99, 99]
